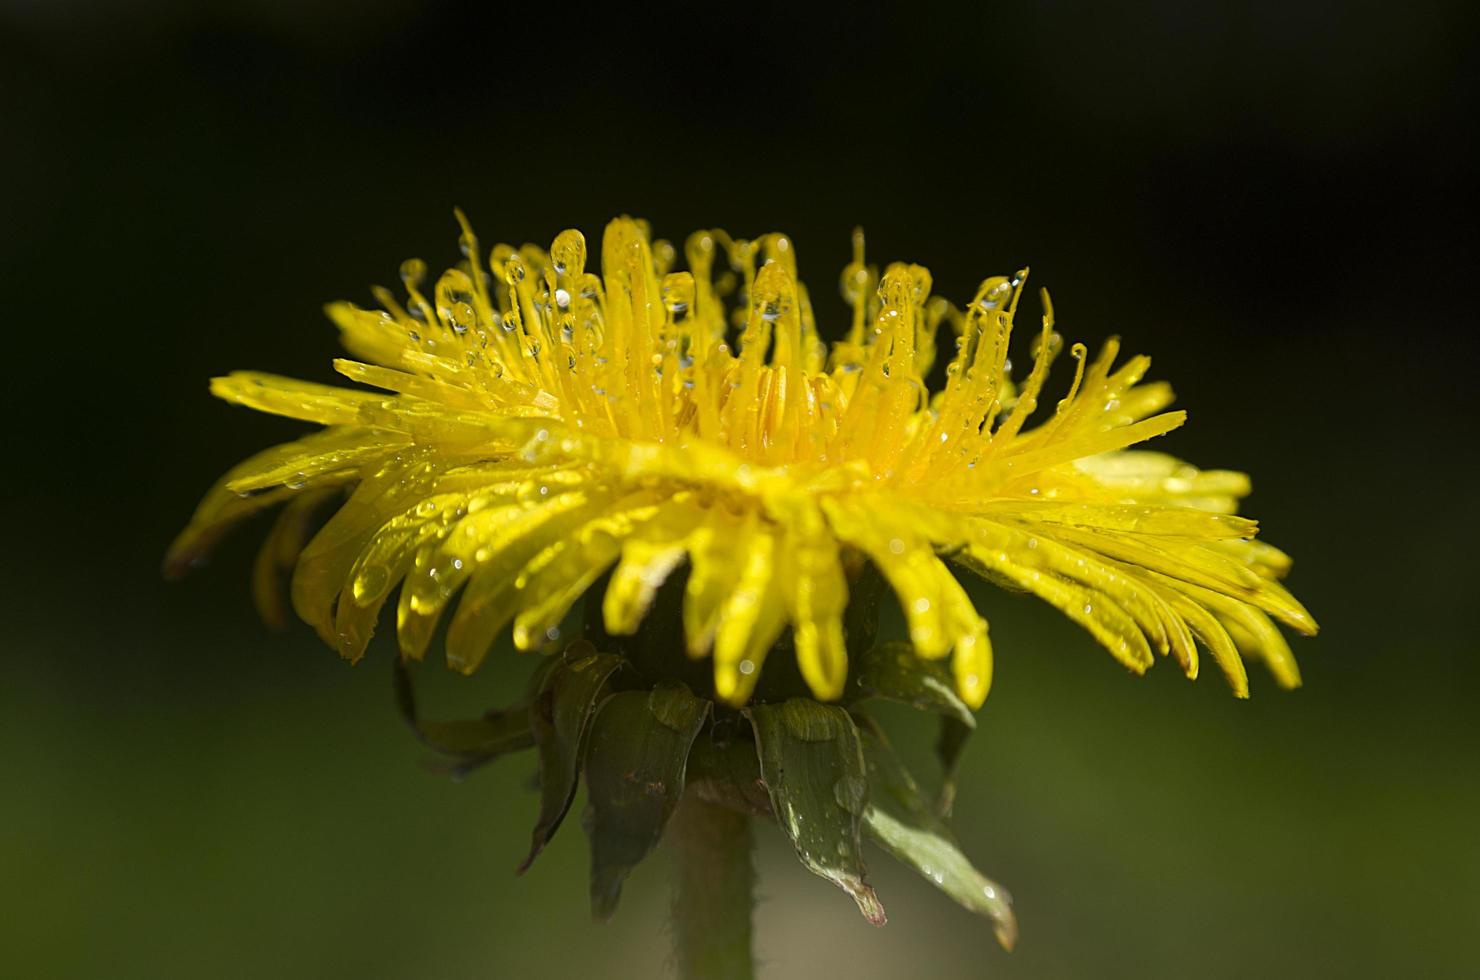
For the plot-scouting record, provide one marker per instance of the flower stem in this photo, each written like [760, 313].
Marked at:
[713, 880]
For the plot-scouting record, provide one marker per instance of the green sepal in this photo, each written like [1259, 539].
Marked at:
[724, 770]
[899, 819]
[635, 767]
[560, 718]
[812, 762]
[469, 743]
[866, 589]
[949, 743]
[894, 672]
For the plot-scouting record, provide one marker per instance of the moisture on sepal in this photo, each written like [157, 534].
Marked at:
[812, 764]
[899, 819]
[635, 766]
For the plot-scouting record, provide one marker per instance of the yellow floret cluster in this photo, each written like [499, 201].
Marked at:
[529, 426]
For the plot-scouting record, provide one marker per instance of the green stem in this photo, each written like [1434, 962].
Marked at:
[713, 879]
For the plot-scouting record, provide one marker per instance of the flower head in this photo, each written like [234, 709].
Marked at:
[537, 426]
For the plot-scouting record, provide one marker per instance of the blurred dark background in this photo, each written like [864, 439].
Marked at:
[1266, 197]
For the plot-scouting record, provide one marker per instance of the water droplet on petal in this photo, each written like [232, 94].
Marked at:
[413, 271]
[370, 583]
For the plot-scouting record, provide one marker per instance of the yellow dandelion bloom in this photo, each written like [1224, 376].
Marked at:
[537, 425]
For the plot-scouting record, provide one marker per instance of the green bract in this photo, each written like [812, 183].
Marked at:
[825, 773]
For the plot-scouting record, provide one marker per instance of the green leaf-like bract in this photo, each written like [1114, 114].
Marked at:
[949, 744]
[560, 717]
[724, 770]
[635, 765]
[901, 821]
[471, 742]
[812, 763]
[894, 672]
[828, 777]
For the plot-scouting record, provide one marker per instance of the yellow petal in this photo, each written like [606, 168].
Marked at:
[572, 565]
[296, 399]
[816, 594]
[750, 618]
[222, 507]
[648, 556]
[716, 559]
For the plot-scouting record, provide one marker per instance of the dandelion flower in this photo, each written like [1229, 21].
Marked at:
[539, 426]
[523, 430]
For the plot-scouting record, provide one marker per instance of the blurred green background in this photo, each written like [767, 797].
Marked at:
[1265, 197]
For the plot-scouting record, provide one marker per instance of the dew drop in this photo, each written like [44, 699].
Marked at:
[678, 292]
[532, 491]
[568, 253]
[850, 793]
[413, 271]
[371, 583]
